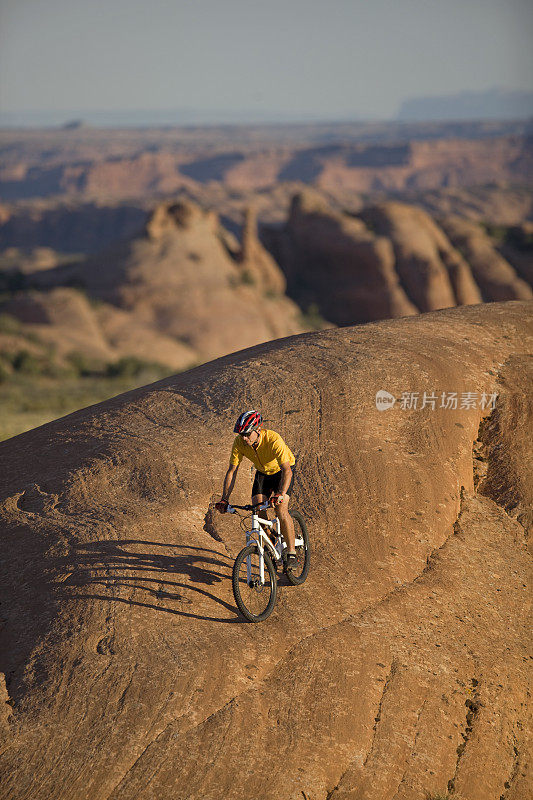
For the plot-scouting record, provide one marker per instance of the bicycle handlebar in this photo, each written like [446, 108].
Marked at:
[231, 508]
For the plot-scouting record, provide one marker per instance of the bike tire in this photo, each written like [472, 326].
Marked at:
[246, 604]
[296, 577]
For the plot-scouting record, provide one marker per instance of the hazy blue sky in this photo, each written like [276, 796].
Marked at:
[342, 58]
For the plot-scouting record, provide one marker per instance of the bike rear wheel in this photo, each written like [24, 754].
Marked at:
[298, 575]
[255, 600]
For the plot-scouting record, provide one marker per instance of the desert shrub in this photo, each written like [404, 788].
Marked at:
[85, 367]
[12, 282]
[312, 318]
[9, 324]
[5, 371]
[133, 367]
[27, 363]
[247, 278]
[31, 336]
[513, 235]
[126, 367]
[496, 232]
[243, 278]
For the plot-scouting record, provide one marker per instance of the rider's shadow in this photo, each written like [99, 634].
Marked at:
[118, 565]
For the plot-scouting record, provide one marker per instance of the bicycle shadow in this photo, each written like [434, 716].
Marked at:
[117, 565]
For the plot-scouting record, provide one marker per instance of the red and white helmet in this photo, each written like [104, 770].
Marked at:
[248, 422]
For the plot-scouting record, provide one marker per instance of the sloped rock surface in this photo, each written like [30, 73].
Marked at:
[399, 667]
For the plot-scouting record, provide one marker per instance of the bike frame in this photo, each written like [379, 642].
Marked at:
[258, 536]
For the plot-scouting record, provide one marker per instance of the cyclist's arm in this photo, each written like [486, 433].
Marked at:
[286, 475]
[229, 481]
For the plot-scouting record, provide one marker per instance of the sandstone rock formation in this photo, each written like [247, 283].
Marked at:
[494, 275]
[64, 320]
[399, 668]
[180, 279]
[389, 260]
[335, 261]
[130, 337]
[517, 249]
[257, 261]
[501, 204]
[69, 227]
[432, 272]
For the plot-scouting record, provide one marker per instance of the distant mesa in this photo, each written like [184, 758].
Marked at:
[211, 169]
[491, 104]
[74, 125]
[136, 165]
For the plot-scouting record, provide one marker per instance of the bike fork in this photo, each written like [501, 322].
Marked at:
[261, 559]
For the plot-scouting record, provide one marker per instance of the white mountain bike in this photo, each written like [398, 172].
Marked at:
[255, 568]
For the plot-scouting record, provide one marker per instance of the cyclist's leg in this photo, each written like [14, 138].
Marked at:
[260, 495]
[285, 520]
[286, 524]
[258, 492]
[257, 499]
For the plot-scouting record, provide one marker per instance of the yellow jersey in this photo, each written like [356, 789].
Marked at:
[271, 452]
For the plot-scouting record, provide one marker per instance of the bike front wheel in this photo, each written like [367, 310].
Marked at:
[255, 598]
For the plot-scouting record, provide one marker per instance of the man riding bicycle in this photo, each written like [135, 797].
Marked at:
[274, 476]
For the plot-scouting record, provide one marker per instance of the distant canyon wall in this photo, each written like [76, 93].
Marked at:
[338, 166]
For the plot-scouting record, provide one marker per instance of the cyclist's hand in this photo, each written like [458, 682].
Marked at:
[222, 506]
[276, 499]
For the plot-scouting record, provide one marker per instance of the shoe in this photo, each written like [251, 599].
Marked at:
[291, 562]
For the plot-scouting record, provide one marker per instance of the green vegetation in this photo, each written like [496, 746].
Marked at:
[512, 235]
[37, 385]
[9, 324]
[271, 294]
[34, 389]
[26, 362]
[312, 319]
[498, 233]
[244, 278]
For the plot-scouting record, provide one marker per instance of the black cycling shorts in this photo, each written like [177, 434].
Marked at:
[269, 484]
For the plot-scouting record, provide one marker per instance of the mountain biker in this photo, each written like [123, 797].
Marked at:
[274, 475]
